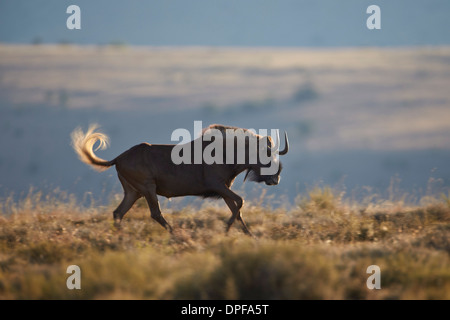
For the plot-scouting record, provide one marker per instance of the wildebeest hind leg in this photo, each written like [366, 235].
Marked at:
[130, 197]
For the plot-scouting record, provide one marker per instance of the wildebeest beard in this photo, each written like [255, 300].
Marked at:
[252, 174]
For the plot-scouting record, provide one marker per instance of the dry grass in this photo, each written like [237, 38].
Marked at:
[319, 249]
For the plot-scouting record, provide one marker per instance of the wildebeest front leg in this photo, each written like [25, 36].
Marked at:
[153, 203]
[235, 202]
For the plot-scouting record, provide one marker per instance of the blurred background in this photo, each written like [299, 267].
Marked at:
[367, 111]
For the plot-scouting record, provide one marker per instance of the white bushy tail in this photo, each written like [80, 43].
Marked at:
[83, 144]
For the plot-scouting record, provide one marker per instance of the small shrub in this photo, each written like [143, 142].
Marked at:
[319, 200]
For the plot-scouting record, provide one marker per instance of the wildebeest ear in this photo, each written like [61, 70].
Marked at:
[270, 143]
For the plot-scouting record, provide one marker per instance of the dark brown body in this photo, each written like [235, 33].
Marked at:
[139, 166]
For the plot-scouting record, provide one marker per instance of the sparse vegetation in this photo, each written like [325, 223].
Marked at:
[318, 249]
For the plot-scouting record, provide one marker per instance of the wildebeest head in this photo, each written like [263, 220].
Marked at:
[268, 167]
[259, 153]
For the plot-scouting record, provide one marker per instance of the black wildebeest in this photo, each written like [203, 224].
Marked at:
[147, 170]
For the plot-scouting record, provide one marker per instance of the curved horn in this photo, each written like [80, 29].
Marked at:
[286, 145]
[246, 175]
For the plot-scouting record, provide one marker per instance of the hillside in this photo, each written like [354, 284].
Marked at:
[356, 117]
